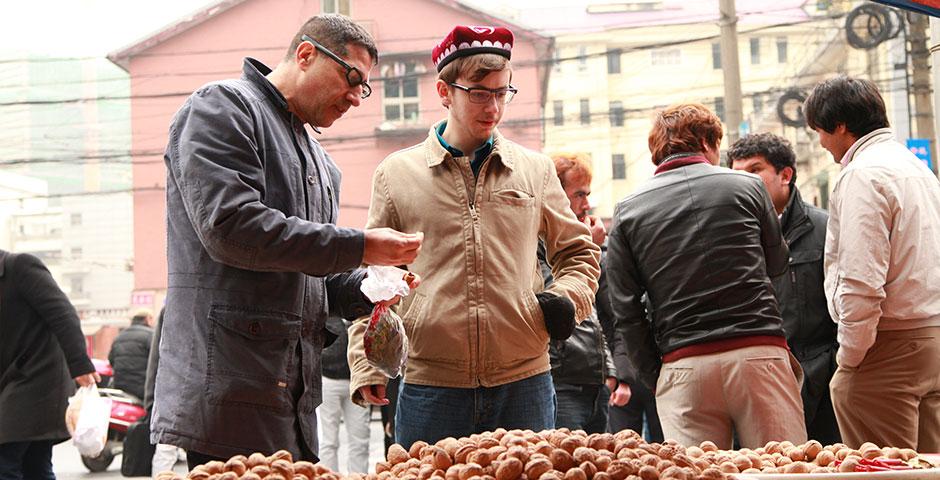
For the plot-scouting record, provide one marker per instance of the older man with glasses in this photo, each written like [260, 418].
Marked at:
[255, 258]
[480, 323]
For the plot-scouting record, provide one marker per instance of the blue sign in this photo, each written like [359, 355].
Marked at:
[921, 148]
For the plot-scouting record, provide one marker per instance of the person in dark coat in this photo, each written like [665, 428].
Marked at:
[255, 259]
[583, 371]
[810, 331]
[702, 244]
[42, 350]
[130, 353]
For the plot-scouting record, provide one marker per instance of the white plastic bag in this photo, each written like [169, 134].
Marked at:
[383, 283]
[385, 340]
[87, 418]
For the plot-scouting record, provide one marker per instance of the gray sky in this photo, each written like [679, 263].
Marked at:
[67, 28]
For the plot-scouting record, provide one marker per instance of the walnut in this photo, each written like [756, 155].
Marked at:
[561, 460]
[536, 467]
[415, 450]
[575, 473]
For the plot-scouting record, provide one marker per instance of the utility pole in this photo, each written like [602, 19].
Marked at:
[920, 82]
[729, 66]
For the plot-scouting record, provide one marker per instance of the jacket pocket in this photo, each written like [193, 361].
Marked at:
[250, 357]
[516, 198]
[411, 316]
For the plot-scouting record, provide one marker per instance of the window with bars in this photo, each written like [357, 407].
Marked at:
[401, 100]
[618, 166]
[336, 6]
[616, 113]
[755, 51]
[716, 56]
[720, 108]
[582, 59]
[585, 111]
[558, 112]
[781, 49]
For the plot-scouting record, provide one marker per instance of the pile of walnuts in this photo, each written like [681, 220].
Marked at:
[563, 455]
[257, 466]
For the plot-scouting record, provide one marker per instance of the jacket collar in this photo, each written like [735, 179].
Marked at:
[794, 217]
[436, 154]
[256, 72]
[875, 136]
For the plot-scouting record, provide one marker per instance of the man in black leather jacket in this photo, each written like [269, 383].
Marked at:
[583, 371]
[810, 331]
[701, 242]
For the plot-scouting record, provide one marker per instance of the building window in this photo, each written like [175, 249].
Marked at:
[781, 49]
[666, 56]
[585, 111]
[616, 113]
[613, 61]
[558, 107]
[720, 107]
[77, 286]
[758, 101]
[401, 99]
[76, 219]
[336, 6]
[76, 252]
[556, 61]
[582, 59]
[755, 51]
[618, 167]
[716, 56]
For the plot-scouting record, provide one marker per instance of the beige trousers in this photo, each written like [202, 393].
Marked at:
[754, 391]
[893, 397]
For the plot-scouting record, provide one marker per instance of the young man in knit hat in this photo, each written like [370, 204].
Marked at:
[479, 324]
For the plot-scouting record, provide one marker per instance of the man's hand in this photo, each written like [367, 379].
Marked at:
[598, 230]
[88, 379]
[413, 283]
[385, 246]
[374, 394]
[620, 393]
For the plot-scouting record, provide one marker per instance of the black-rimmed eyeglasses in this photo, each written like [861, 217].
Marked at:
[483, 95]
[354, 76]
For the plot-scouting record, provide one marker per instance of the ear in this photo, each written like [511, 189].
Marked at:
[443, 91]
[304, 55]
[786, 175]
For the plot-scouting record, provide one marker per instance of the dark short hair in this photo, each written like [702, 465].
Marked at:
[334, 32]
[853, 102]
[683, 128]
[775, 149]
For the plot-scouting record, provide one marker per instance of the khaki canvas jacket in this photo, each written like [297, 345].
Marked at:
[474, 320]
[882, 245]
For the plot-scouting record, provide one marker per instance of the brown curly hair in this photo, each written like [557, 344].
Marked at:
[683, 128]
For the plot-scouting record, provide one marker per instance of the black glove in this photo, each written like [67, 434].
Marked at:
[558, 313]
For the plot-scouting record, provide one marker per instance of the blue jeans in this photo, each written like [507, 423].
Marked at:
[432, 413]
[582, 407]
[26, 460]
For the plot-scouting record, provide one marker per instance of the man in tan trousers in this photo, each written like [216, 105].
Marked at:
[882, 270]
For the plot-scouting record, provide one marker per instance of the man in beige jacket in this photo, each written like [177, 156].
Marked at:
[479, 324]
[882, 272]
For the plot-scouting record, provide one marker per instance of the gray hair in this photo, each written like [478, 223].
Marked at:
[335, 32]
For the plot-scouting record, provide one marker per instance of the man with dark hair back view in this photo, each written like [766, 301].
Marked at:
[130, 352]
[882, 272]
[810, 331]
[701, 243]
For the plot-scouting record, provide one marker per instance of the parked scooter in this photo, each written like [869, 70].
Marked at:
[125, 410]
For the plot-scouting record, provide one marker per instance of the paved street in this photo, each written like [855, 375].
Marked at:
[68, 465]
